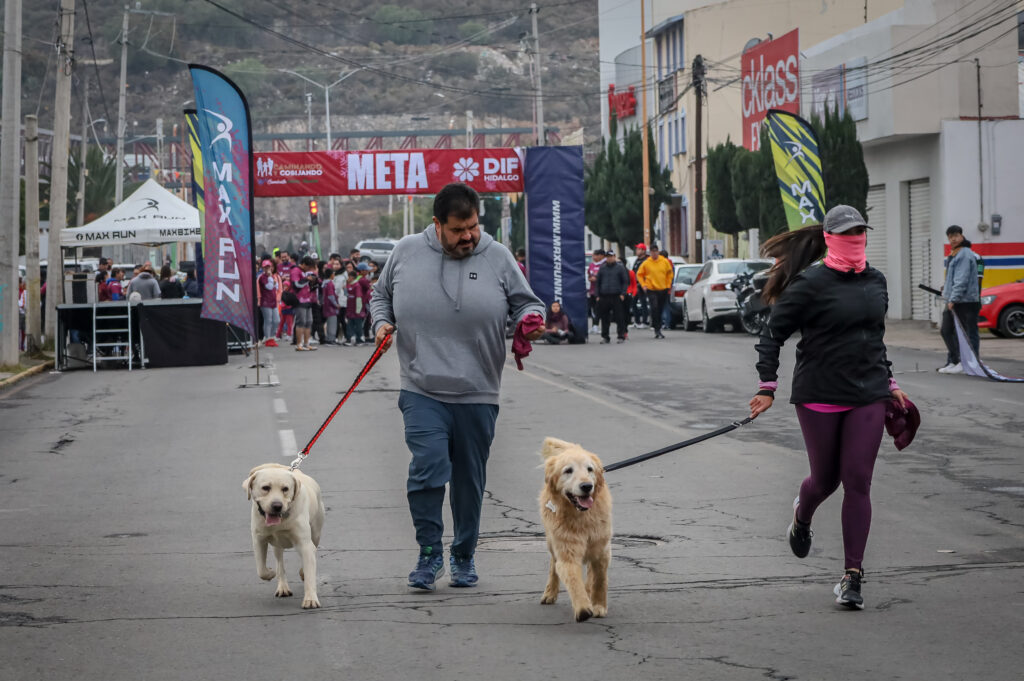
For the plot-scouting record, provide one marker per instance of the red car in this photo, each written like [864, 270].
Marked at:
[1002, 310]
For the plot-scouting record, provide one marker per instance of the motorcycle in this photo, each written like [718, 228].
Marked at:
[752, 311]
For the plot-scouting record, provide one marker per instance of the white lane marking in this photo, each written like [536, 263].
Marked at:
[632, 413]
[279, 406]
[289, 448]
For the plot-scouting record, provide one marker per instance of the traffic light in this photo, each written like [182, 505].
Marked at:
[313, 210]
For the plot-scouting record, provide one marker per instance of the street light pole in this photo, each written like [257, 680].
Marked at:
[327, 120]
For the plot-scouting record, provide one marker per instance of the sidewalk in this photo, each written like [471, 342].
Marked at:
[28, 367]
[919, 335]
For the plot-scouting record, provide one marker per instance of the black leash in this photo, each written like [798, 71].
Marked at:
[679, 445]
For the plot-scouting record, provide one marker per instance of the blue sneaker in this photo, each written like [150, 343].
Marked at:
[429, 567]
[463, 571]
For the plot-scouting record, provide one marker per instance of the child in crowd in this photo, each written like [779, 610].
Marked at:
[287, 326]
[331, 306]
[355, 308]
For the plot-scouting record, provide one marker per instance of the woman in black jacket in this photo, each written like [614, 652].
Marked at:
[842, 379]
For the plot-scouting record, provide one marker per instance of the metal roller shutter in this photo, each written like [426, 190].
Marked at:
[877, 252]
[921, 302]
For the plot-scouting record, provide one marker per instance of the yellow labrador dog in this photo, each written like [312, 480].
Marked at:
[576, 509]
[287, 512]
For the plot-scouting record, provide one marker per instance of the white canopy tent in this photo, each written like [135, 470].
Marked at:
[151, 215]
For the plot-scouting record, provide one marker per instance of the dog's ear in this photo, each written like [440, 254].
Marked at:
[247, 484]
[599, 472]
[551, 474]
[553, 446]
[295, 487]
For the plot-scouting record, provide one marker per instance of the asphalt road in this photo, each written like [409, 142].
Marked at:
[126, 551]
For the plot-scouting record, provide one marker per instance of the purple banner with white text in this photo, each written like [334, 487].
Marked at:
[222, 117]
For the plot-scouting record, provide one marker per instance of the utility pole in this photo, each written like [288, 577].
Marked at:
[981, 177]
[469, 128]
[122, 123]
[309, 121]
[59, 165]
[645, 154]
[83, 150]
[541, 134]
[698, 212]
[33, 323]
[10, 196]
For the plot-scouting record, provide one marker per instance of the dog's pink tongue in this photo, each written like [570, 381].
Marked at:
[585, 502]
[273, 520]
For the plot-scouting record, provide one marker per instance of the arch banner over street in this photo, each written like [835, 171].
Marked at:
[399, 171]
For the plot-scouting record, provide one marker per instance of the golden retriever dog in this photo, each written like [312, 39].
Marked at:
[576, 509]
[287, 512]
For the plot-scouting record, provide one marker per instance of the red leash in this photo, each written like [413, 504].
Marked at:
[362, 374]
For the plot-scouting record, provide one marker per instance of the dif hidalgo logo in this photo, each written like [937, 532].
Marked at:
[495, 169]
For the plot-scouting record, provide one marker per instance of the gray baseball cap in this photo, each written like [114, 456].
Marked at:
[842, 219]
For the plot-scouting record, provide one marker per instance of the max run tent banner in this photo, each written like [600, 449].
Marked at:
[798, 167]
[555, 253]
[222, 117]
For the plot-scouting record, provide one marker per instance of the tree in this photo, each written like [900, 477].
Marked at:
[613, 188]
[772, 219]
[745, 185]
[390, 226]
[517, 235]
[402, 25]
[842, 160]
[720, 200]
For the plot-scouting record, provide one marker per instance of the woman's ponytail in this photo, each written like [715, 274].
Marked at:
[793, 252]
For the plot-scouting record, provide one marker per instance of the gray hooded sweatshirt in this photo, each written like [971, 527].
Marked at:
[450, 315]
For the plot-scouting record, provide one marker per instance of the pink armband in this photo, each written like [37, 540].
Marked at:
[768, 385]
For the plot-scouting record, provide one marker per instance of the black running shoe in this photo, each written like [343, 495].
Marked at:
[847, 591]
[799, 534]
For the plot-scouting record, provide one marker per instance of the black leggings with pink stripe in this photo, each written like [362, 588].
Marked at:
[842, 448]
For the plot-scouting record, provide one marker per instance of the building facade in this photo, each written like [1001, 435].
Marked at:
[936, 89]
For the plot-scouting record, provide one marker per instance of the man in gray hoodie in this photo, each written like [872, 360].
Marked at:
[963, 298]
[449, 290]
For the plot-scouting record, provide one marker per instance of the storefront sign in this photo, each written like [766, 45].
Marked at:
[771, 80]
[667, 94]
[622, 103]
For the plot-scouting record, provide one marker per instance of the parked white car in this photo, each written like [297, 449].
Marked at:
[709, 301]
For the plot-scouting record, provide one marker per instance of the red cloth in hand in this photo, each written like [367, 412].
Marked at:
[520, 345]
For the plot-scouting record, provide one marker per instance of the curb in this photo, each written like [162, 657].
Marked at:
[38, 369]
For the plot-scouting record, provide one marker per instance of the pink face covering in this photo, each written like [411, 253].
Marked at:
[846, 252]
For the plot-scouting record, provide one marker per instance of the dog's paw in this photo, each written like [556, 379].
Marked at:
[584, 614]
[310, 602]
[283, 591]
[267, 574]
[600, 610]
[548, 599]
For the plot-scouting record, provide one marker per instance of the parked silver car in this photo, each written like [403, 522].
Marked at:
[709, 301]
[684, 278]
[376, 250]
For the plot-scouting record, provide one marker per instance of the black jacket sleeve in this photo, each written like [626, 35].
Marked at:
[787, 316]
[623, 280]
